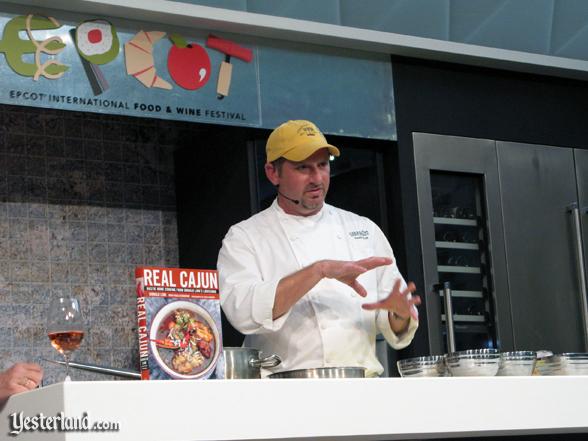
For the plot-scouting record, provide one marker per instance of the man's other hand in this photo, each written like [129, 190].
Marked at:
[347, 272]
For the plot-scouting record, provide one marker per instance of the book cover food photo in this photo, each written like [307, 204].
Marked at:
[179, 323]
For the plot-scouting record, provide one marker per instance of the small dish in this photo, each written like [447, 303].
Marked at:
[517, 363]
[570, 363]
[473, 363]
[429, 366]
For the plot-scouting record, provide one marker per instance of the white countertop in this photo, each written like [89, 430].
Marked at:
[366, 409]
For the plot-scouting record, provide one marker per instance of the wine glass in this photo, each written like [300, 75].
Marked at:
[65, 327]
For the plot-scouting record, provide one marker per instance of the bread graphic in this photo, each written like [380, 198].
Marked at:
[139, 59]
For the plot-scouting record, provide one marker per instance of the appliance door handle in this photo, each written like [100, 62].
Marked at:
[575, 211]
[446, 289]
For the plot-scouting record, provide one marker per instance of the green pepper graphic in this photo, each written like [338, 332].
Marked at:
[14, 47]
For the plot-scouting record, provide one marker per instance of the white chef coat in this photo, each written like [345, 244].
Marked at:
[326, 327]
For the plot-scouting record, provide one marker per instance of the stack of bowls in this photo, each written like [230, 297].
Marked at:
[570, 363]
[519, 363]
[430, 366]
[473, 362]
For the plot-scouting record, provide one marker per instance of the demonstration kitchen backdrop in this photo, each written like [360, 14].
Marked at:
[89, 158]
[85, 198]
[110, 162]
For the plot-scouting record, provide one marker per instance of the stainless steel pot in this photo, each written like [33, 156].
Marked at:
[325, 372]
[247, 362]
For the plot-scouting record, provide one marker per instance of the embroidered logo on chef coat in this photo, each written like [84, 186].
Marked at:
[360, 234]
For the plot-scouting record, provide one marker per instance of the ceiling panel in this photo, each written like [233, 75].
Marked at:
[324, 11]
[570, 20]
[550, 27]
[521, 25]
[238, 5]
[466, 16]
[422, 18]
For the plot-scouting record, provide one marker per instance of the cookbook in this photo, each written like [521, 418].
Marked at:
[179, 323]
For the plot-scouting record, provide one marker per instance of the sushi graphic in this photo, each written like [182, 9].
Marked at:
[97, 43]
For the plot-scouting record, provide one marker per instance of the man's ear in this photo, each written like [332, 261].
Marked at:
[272, 173]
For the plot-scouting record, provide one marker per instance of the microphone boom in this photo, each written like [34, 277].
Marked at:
[296, 201]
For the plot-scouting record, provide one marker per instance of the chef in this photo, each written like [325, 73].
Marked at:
[308, 281]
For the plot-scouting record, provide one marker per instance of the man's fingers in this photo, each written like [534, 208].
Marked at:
[26, 375]
[34, 367]
[345, 270]
[354, 268]
[396, 287]
[358, 287]
[411, 287]
[416, 300]
[372, 306]
[26, 367]
[414, 313]
[374, 262]
[16, 388]
[35, 376]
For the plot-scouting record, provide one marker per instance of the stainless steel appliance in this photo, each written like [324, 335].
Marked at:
[506, 225]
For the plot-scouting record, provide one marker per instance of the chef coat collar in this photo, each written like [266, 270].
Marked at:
[313, 218]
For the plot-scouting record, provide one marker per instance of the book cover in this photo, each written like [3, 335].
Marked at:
[179, 323]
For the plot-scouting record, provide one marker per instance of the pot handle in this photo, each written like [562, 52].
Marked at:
[266, 362]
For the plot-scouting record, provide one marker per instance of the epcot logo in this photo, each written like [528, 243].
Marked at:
[97, 44]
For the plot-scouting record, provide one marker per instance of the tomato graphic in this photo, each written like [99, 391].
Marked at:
[188, 64]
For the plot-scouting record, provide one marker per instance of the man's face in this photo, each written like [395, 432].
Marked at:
[306, 181]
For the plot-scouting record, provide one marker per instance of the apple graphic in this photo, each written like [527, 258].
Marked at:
[188, 64]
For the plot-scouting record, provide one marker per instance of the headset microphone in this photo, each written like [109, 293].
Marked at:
[296, 201]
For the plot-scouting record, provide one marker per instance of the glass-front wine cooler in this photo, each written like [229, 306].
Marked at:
[462, 244]
[462, 261]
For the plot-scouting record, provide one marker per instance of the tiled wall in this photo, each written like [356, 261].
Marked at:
[84, 198]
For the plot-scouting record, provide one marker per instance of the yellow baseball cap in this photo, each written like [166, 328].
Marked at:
[296, 140]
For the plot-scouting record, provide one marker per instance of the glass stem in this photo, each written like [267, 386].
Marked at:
[66, 357]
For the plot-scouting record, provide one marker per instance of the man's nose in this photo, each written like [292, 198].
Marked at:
[315, 175]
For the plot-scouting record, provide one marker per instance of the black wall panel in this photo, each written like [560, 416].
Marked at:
[442, 98]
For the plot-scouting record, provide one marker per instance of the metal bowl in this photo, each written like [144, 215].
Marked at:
[429, 366]
[473, 362]
[325, 372]
[517, 363]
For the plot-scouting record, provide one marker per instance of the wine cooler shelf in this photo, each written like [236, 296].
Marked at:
[456, 245]
[459, 269]
[454, 221]
[465, 318]
[462, 257]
